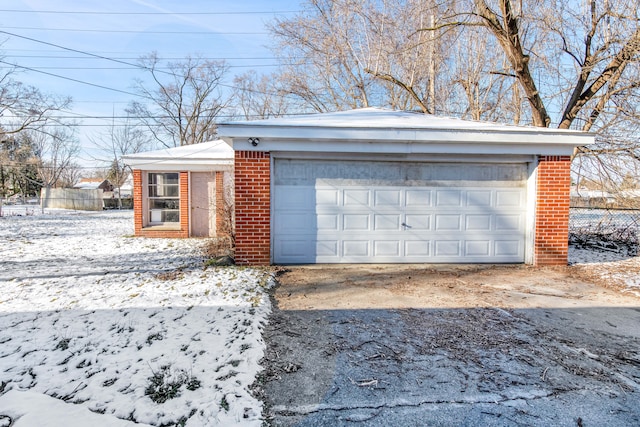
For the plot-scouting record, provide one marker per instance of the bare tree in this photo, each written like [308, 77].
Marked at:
[54, 150]
[182, 104]
[324, 51]
[24, 107]
[117, 141]
[259, 97]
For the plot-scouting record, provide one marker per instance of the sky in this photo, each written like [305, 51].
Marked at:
[56, 46]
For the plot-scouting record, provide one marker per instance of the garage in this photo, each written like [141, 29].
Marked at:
[373, 185]
[398, 212]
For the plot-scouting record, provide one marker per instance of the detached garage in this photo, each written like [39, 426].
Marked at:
[380, 186]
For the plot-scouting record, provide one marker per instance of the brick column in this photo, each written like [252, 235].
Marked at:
[253, 207]
[184, 205]
[551, 242]
[137, 201]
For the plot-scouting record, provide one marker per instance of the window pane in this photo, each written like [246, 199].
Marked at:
[164, 203]
[171, 216]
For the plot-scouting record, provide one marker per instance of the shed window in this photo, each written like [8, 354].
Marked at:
[164, 198]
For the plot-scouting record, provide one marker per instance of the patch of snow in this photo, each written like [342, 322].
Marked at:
[611, 268]
[18, 407]
[129, 327]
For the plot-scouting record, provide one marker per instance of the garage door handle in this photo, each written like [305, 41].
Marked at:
[405, 225]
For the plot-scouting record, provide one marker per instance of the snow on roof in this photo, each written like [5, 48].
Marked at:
[375, 117]
[206, 156]
[426, 133]
[90, 183]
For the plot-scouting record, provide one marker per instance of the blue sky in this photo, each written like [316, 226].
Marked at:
[125, 30]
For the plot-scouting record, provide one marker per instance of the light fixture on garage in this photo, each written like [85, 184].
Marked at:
[254, 141]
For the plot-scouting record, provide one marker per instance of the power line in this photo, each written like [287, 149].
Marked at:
[137, 68]
[142, 67]
[70, 12]
[72, 79]
[212, 33]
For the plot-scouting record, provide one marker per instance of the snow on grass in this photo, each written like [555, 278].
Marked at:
[129, 327]
[613, 269]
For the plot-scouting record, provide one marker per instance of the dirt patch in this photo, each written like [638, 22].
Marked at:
[419, 286]
[454, 345]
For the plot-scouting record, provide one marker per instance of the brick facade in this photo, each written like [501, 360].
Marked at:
[551, 242]
[253, 207]
[181, 231]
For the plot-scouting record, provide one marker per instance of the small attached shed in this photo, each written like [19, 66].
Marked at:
[184, 191]
[380, 186]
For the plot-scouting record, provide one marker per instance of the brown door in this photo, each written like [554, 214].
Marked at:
[203, 204]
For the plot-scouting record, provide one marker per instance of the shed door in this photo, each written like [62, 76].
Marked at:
[398, 212]
[203, 204]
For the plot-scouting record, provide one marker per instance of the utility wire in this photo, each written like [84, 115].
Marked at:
[69, 12]
[73, 80]
[212, 33]
[131, 64]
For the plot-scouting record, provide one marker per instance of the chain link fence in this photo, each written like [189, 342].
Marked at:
[616, 230]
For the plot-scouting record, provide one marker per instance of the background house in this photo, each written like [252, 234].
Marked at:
[374, 185]
[184, 191]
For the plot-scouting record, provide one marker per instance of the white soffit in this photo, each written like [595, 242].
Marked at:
[210, 155]
[377, 130]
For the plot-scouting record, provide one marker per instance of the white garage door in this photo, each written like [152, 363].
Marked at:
[398, 212]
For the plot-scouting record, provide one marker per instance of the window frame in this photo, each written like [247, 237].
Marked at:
[163, 192]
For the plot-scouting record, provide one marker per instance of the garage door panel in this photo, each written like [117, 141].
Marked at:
[448, 198]
[418, 198]
[327, 222]
[448, 222]
[295, 223]
[370, 212]
[417, 249]
[418, 222]
[478, 222]
[297, 250]
[509, 222]
[356, 197]
[477, 198]
[326, 197]
[477, 248]
[387, 222]
[387, 198]
[447, 248]
[509, 248]
[327, 248]
[356, 222]
[508, 199]
[386, 248]
[294, 197]
[355, 248]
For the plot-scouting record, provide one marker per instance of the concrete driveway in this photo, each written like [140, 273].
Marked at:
[451, 346]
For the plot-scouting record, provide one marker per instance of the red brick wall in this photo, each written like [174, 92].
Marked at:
[137, 201]
[139, 229]
[551, 242]
[253, 207]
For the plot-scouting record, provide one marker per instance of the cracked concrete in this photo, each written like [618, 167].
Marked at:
[571, 362]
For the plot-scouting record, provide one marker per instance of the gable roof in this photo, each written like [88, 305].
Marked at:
[207, 156]
[388, 131]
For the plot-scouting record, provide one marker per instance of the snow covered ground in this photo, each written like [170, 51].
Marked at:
[136, 330]
[126, 328]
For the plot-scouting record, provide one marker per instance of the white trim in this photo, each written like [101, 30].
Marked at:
[351, 144]
[375, 130]
[188, 201]
[437, 158]
[272, 189]
[532, 196]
